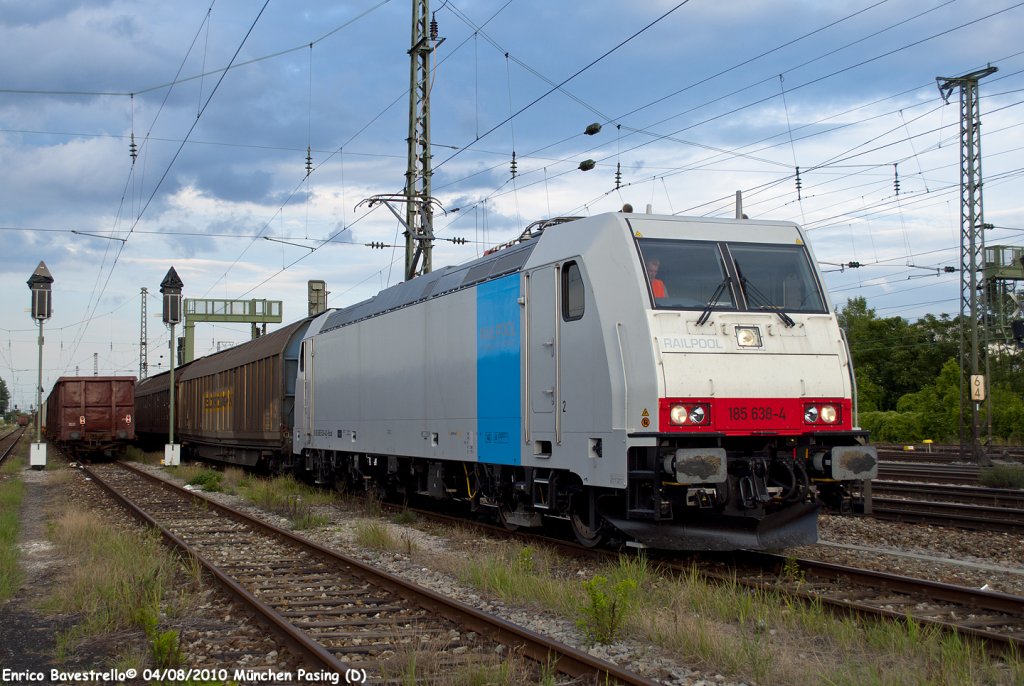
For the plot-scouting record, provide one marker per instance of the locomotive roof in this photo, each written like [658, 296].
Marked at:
[435, 283]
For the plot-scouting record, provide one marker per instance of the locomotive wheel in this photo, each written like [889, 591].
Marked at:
[588, 536]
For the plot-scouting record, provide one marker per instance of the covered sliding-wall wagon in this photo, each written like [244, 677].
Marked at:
[238, 405]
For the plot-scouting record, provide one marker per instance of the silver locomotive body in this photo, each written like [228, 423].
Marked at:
[678, 382]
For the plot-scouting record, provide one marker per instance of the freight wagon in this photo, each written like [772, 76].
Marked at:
[92, 416]
[237, 405]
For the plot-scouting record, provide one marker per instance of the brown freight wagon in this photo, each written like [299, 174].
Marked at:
[92, 416]
[237, 405]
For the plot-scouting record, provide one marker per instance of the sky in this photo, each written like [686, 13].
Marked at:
[696, 101]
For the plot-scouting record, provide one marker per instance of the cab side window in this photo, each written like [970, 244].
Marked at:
[573, 294]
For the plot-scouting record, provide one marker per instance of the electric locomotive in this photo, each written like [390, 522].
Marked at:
[680, 383]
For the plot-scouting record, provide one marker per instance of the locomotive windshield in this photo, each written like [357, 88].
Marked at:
[718, 275]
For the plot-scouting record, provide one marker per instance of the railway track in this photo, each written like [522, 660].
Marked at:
[931, 473]
[9, 442]
[982, 517]
[944, 453]
[336, 612]
[997, 619]
[972, 495]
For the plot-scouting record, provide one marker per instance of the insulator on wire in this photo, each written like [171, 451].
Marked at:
[309, 160]
[377, 244]
[896, 179]
[799, 184]
[515, 167]
[853, 265]
[618, 175]
[133, 149]
[587, 165]
[433, 26]
[458, 240]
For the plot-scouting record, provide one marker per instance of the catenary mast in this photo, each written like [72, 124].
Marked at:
[974, 376]
[419, 229]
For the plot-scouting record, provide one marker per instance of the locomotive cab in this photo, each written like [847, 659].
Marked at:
[755, 416]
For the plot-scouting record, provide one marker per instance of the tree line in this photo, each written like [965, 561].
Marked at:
[908, 378]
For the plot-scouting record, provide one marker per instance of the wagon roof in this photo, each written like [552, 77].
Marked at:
[271, 345]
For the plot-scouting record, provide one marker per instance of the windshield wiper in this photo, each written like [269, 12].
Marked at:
[713, 300]
[764, 302]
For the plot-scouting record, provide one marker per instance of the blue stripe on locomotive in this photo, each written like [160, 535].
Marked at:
[498, 355]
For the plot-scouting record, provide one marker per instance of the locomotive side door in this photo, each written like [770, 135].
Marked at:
[542, 367]
[306, 367]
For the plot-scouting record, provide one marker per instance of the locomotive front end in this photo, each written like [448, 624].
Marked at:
[755, 423]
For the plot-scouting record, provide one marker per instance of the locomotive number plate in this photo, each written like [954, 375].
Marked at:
[757, 413]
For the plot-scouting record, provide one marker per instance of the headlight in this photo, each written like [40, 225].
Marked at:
[821, 414]
[748, 337]
[689, 415]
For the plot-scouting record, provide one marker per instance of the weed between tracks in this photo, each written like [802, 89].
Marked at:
[756, 635]
[1002, 476]
[283, 495]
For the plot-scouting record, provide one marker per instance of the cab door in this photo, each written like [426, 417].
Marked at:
[542, 346]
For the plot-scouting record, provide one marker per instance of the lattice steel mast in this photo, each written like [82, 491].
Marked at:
[419, 214]
[974, 392]
[418, 221]
[143, 354]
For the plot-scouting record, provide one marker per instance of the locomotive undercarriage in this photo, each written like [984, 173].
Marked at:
[514, 496]
[753, 493]
[722, 493]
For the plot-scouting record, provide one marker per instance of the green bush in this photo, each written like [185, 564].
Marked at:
[1003, 476]
[604, 614]
[208, 480]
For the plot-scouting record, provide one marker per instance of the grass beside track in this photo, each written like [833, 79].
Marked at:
[758, 636]
[754, 635]
[120, 578]
[12, 490]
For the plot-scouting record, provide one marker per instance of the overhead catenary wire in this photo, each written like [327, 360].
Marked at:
[655, 178]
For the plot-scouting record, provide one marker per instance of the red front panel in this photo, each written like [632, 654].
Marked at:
[742, 416]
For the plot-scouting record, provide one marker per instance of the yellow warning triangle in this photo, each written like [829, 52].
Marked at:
[646, 413]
